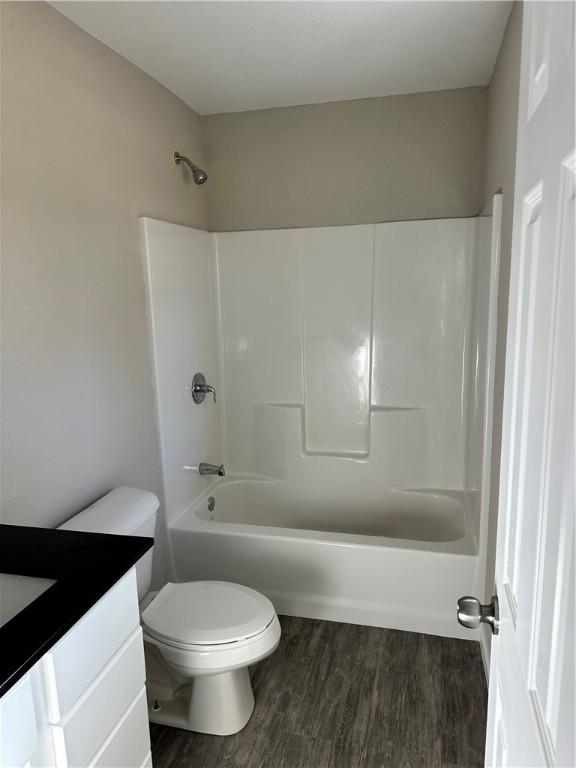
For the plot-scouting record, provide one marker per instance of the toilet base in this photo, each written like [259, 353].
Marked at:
[216, 704]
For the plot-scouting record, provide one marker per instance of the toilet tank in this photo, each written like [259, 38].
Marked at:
[127, 512]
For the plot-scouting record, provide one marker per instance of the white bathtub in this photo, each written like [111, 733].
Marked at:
[400, 561]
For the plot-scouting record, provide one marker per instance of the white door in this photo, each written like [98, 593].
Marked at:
[531, 717]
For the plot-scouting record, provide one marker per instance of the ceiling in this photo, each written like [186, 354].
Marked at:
[237, 56]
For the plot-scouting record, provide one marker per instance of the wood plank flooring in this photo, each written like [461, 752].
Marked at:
[345, 696]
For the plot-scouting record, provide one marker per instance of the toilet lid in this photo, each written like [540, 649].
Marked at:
[207, 612]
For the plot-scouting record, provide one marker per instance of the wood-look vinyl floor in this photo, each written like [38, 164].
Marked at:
[346, 696]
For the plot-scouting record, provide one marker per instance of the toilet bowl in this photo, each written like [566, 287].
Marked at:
[207, 634]
[200, 637]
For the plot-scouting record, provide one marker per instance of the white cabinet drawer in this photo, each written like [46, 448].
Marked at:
[77, 659]
[18, 726]
[129, 745]
[84, 730]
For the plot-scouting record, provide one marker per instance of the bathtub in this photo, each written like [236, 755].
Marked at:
[399, 561]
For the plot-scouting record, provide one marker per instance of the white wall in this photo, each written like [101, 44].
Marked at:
[179, 265]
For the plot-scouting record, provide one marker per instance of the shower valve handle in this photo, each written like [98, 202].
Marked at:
[200, 389]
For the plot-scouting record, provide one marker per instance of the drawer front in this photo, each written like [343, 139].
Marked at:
[18, 718]
[85, 729]
[77, 659]
[129, 745]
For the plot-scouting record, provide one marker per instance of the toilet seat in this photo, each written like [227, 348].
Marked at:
[212, 648]
[195, 660]
[207, 615]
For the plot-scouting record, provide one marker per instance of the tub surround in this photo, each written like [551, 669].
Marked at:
[363, 330]
[84, 567]
[303, 386]
[350, 365]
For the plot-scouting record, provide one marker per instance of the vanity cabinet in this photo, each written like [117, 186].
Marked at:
[84, 702]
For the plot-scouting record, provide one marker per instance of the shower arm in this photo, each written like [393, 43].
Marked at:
[178, 158]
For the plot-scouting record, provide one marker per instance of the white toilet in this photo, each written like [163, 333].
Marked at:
[200, 637]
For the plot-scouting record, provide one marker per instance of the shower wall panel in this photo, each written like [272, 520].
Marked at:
[421, 298]
[261, 316]
[180, 269]
[337, 266]
[345, 353]
[482, 284]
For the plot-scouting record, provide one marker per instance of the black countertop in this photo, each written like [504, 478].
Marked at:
[84, 565]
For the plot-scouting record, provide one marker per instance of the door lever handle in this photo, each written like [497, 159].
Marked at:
[471, 613]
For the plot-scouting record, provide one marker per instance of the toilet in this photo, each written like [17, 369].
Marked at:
[200, 637]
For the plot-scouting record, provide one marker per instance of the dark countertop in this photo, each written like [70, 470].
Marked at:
[84, 565]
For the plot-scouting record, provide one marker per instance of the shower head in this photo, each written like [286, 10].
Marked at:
[198, 174]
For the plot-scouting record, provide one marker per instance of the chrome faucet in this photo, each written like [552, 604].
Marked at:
[211, 469]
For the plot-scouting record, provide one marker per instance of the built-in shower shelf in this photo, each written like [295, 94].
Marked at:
[283, 405]
[339, 454]
[358, 455]
[390, 408]
[373, 408]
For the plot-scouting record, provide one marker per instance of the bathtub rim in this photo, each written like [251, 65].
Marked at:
[190, 520]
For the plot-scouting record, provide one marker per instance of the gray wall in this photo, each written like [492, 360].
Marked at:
[87, 141]
[500, 168]
[418, 156]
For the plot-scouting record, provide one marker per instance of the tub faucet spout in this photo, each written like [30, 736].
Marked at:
[211, 469]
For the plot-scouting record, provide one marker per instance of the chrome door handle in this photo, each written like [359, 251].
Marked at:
[471, 613]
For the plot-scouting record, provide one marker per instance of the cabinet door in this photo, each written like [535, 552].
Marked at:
[18, 725]
[24, 734]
